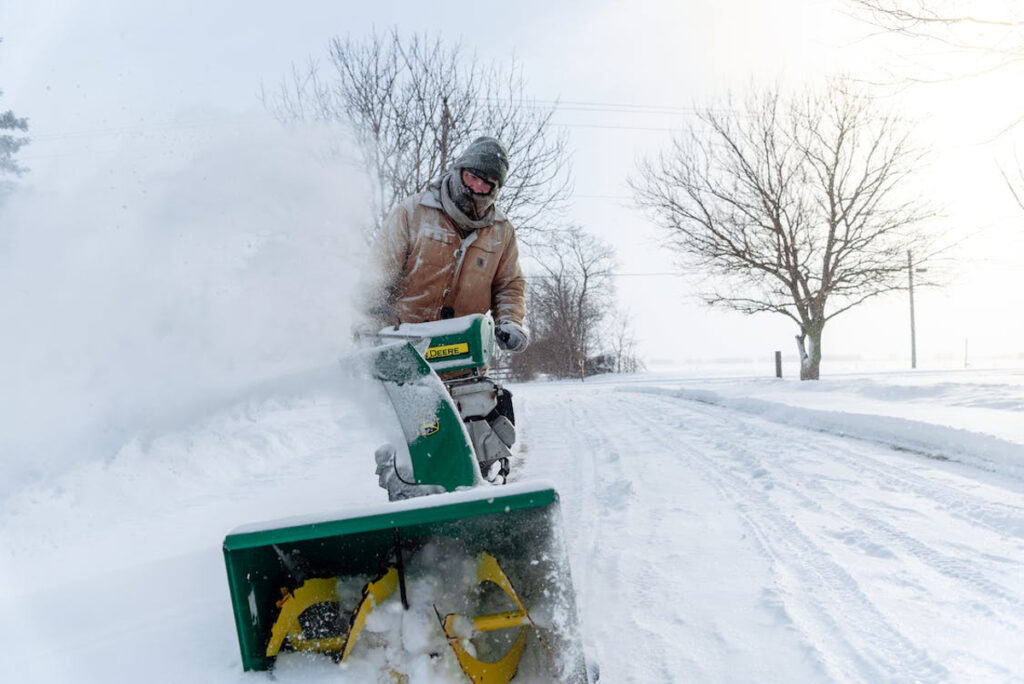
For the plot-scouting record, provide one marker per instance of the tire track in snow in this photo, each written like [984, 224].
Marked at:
[962, 571]
[993, 515]
[875, 649]
[968, 583]
[544, 449]
[860, 459]
[854, 639]
[599, 499]
[615, 494]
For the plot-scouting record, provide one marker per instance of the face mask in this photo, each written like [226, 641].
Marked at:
[473, 204]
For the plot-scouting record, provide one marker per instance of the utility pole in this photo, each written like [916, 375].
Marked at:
[913, 333]
[445, 117]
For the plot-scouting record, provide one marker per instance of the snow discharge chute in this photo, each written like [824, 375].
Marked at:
[456, 579]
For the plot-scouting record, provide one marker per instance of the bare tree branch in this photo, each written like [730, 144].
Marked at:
[989, 32]
[414, 102]
[1017, 190]
[569, 298]
[795, 208]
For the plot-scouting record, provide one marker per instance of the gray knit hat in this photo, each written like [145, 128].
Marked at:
[487, 155]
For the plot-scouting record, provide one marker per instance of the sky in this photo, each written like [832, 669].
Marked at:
[123, 85]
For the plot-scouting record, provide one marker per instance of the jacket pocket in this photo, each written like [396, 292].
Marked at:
[435, 246]
[481, 259]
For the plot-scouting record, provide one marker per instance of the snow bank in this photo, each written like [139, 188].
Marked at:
[139, 291]
[932, 439]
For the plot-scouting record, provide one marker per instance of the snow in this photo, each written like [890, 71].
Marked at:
[469, 494]
[416, 629]
[866, 527]
[948, 420]
[451, 326]
[142, 295]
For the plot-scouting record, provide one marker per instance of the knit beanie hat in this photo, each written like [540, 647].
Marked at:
[485, 155]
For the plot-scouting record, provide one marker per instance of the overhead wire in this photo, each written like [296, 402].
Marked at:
[568, 105]
[617, 275]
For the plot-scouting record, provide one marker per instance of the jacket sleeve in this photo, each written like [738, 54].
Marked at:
[389, 253]
[508, 290]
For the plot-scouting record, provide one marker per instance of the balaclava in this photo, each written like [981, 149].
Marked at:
[486, 158]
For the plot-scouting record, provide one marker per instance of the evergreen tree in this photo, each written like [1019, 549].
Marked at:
[10, 143]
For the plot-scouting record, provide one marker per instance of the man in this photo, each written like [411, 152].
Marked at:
[449, 251]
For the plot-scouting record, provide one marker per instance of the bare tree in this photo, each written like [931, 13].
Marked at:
[415, 102]
[794, 209]
[974, 39]
[622, 340]
[989, 30]
[568, 300]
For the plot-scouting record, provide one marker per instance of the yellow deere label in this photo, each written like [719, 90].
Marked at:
[428, 428]
[446, 350]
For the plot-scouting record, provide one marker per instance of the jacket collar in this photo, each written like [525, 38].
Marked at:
[430, 198]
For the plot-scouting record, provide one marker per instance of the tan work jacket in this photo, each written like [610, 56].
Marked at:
[425, 265]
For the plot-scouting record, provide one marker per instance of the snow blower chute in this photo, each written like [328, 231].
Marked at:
[457, 578]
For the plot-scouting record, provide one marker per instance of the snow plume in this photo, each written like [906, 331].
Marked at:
[138, 289]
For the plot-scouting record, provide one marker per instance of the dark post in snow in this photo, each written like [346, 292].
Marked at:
[913, 334]
[778, 364]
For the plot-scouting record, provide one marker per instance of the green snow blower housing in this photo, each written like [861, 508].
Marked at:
[466, 344]
[291, 581]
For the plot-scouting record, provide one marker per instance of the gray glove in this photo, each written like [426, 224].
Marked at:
[511, 336]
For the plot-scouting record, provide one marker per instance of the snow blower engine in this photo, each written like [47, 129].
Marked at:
[460, 352]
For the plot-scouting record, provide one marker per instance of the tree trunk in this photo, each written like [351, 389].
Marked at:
[810, 360]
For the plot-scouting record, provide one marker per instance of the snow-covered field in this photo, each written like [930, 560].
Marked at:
[862, 528]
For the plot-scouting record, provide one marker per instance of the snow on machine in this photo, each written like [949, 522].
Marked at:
[459, 578]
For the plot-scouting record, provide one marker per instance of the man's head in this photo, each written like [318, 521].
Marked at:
[485, 158]
[479, 173]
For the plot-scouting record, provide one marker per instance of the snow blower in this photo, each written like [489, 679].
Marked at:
[459, 578]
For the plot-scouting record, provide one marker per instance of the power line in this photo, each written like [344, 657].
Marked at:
[677, 129]
[142, 128]
[617, 105]
[570, 105]
[617, 275]
[626, 107]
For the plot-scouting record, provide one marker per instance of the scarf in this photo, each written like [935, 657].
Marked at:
[457, 214]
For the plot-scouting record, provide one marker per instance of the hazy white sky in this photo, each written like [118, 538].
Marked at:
[97, 77]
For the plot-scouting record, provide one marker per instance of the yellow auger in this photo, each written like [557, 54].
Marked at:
[323, 591]
[504, 669]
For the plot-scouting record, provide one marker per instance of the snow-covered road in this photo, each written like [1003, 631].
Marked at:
[710, 545]
[713, 537]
